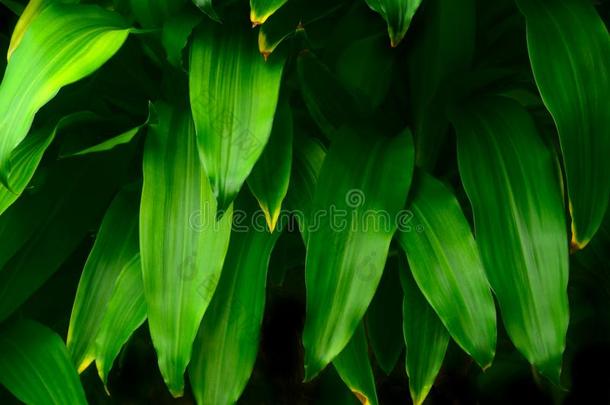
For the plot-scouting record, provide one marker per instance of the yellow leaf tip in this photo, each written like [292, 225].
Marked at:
[364, 400]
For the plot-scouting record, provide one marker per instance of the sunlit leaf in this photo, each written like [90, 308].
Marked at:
[62, 45]
[445, 262]
[227, 343]
[36, 367]
[260, 10]
[115, 246]
[233, 94]
[181, 245]
[569, 48]
[362, 187]
[512, 183]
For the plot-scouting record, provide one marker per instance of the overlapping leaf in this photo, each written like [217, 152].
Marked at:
[62, 45]
[260, 10]
[114, 249]
[569, 48]
[227, 343]
[362, 187]
[271, 174]
[398, 15]
[445, 262]
[354, 368]
[425, 337]
[36, 367]
[233, 94]
[512, 183]
[181, 245]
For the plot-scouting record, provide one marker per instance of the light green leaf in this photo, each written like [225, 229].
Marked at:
[233, 94]
[384, 318]
[397, 14]
[362, 187]
[512, 182]
[115, 246]
[228, 339]
[271, 174]
[569, 48]
[446, 265]
[181, 244]
[260, 10]
[36, 367]
[354, 368]
[125, 312]
[62, 45]
[425, 337]
[109, 144]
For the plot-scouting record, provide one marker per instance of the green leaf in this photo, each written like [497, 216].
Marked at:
[62, 45]
[446, 265]
[228, 339]
[354, 368]
[123, 138]
[36, 367]
[31, 11]
[329, 103]
[437, 60]
[511, 179]
[181, 244]
[152, 13]
[115, 246]
[69, 202]
[308, 156]
[207, 6]
[362, 186]
[125, 312]
[27, 156]
[233, 94]
[384, 318]
[397, 14]
[569, 49]
[175, 35]
[260, 10]
[271, 174]
[425, 337]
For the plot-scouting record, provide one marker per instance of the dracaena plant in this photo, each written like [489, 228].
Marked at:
[302, 201]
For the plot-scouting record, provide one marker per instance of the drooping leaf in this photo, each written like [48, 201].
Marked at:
[569, 49]
[354, 368]
[227, 344]
[444, 48]
[384, 318]
[36, 367]
[62, 45]
[125, 312]
[397, 14]
[260, 10]
[445, 262]
[69, 203]
[115, 246]
[425, 337]
[329, 103]
[181, 245]
[308, 156]
[233, 94]
[26, 158]
[362, 186]
[271, 174]
[175, 35]
[512, 183]
[207, 6]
